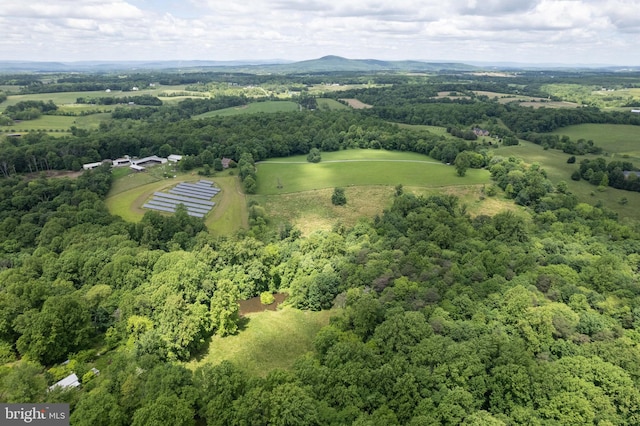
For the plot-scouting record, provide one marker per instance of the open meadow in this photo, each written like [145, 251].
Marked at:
[619, 140]
[330, 104]
[369, 178]
[270, 340]
[359, 167]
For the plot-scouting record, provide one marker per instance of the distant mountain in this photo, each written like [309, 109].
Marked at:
[107, 66]
[321, 65]
[338, 63]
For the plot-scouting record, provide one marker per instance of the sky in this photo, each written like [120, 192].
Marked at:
[534, 31]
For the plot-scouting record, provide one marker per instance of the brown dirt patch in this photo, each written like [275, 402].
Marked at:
[254, 305]
[54, 174]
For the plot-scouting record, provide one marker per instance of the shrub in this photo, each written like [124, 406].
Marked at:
[266, 298]
[338, 198]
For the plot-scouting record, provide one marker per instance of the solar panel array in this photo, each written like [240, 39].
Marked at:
[196, 197]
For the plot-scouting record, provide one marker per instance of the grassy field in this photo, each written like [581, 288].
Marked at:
[359, 167]
[616, 139]
[437, 130]
[555, 163]
[45, 122]
[252, 108]
[130, 191]
[326, 103]
[527, 101]
[310, 211]
[270, 340]
[230, 213]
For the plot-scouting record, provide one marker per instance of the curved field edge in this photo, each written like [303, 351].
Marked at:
[282, 178]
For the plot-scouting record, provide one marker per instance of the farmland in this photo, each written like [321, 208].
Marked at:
[616, 139]
[253, 108]
[366, 167]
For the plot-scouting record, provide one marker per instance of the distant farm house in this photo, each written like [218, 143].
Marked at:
[636, 111]
[480, 132]
[174, 158]
[628, 173]
[226, 162]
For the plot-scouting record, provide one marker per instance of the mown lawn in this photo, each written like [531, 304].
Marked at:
[270, 340]
[357, 168]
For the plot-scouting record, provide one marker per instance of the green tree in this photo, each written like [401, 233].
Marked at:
[163, 411]
[225, 308]
[23, 383]
[250, 186]
[338, 198]
[63, 325]
[314, 156]
[462, 163]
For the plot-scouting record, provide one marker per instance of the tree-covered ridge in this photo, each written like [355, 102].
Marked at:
[263, 136]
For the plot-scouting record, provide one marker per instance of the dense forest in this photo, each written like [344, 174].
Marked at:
[526, 316]
[447, 319]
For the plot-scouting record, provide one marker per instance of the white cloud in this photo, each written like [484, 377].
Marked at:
[535, 30]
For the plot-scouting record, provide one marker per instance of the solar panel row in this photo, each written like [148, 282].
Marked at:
[182, 198]
[174, 204]
[198, 188]
[194, 196]
[170, 210]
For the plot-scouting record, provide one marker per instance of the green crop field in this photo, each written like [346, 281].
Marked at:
[270, 340]
[252, 108]
[326, 103]
[359, 167]
[45, 122]
[616, 139]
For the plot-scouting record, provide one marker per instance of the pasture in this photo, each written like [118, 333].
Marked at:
[619, 140]
[310, 211]
[557, 168]
[330, 104]
[66, 98]
[269, 340]
[253, 108]
[526, 101]
[357, 168]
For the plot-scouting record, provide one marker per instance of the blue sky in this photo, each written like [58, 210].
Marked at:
[535, 31]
